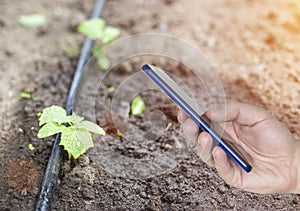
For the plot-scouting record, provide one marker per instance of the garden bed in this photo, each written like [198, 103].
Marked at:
[93, 182]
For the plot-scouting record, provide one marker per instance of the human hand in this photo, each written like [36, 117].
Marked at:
[264, 142]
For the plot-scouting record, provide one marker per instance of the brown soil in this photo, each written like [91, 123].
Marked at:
[22, 174]
[245, 41]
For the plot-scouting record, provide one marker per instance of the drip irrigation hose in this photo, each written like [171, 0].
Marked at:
[53, 166]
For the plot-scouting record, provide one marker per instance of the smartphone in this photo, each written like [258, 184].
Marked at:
[194, 111]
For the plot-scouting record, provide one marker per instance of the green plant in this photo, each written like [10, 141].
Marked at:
[33, 20]
[75, 132]
[97, 29]
[25, 95]
[30, 147]
[111, 89]
[137, 106]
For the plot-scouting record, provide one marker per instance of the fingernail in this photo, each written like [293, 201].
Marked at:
[180, 116]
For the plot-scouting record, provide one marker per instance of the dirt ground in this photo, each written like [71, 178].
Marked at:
[252, 44]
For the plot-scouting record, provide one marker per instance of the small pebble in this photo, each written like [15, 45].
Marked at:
[230, 201]
[170, 197]
[184, 168]
[235, 192]
[143, 194]
[168, 146]
[83, 160]
[151, 205]
[295, 200]
[222, 189]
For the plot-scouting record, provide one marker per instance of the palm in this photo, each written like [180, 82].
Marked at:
[269, 147]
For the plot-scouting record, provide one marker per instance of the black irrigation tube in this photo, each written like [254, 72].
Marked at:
[53, 166]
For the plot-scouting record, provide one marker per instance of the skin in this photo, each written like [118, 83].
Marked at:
[261, 139]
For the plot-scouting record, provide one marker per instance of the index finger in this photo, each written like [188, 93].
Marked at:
[181, 116]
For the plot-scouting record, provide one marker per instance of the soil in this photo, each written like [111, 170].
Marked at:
[237, 37]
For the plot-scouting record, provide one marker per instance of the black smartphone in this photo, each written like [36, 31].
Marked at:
[193, 110]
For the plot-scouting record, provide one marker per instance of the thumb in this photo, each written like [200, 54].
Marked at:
[241, 113]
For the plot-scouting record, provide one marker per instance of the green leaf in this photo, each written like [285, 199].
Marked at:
[76, 138]
[50, 129]
[89, 126]
[137, 106]
[25, 95]
[92, 28]
[30, 147]
[33, 20]
[95, 49]
[103, 63]
[53, 114]
[111, 89]
[110, 34]
[76, 142]
[75, 118]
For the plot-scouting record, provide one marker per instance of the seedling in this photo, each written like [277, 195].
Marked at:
[33, 20]
[137, 106]
[25, 95]
[111, 89]
[76, 133]
[97, 29]
[30, 147]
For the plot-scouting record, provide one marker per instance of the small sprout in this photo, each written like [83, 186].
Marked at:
[30, 147]
[25, 95]
[96, 29]
[39, 114]
[137, 106]
[35, 99]
[33, 20]
[111, 89]
[92, 28]
[103, 62]
[32, 128]
[95, 49]
[76, 138]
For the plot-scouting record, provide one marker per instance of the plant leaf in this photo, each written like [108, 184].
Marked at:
[50, 129]
[110, 34]
[33, 20]
[30, 147]
[89, 126]
[76, 142]
[137, 106]
[54, 114]
[92, 28]
[103, 63]
[111, 89]
[95, 49]
[75, 118]
[25, 95]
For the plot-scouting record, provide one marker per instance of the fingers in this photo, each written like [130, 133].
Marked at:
[190, 129]
[241, 113]
[225, 168]
[181, 116]
[215, 157]
[205, 146]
